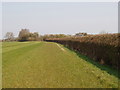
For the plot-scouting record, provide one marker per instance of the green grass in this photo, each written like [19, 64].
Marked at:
[46, 65]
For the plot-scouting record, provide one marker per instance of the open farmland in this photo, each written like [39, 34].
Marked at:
[49, 65]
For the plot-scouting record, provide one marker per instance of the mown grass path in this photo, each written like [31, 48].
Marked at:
[49, 65]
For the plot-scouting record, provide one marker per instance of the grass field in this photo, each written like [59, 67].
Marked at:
[49, 65]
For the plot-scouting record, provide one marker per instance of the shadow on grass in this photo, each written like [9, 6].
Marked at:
[106, 68]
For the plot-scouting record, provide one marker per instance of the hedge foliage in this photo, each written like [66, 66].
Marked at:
[103, 48]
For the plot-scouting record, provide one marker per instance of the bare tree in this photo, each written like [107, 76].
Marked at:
[9, 36]
[24, 35]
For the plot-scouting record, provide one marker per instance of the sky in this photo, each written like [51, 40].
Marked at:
[60, 17]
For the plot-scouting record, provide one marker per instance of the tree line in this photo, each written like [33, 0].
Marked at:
[26, 35]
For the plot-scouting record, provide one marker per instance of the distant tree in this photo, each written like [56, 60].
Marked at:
[33, 36]
[47, 36]
[103, 32]
[24, 35]
[9, 36]
[62, 35]
[36, 35]
[80, 34]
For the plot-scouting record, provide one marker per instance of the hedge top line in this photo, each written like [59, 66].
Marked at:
[105, 39]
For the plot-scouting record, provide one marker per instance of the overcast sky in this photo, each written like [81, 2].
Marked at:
[60, 17]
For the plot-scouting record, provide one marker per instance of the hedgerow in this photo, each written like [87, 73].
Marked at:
[103, 48]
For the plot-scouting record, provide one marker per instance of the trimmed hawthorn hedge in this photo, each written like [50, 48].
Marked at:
[103, 48]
